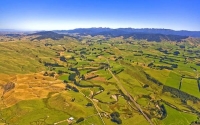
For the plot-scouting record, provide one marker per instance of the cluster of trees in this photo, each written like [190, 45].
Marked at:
[137, 54]
[193, 68]
[117, 71]
[151, 65]
[176, 53]
[80, 120]
[164, 112]
[72, 88]
[110, 53]
[61, 72]
[48, 44]
[165, 67]
[180, 84]
[180, 94]
[62, 58]
[52, 74]
[197, 122]
[89, 104]
[115, 117]
[174, 65]
[119, 58]
[52, 64]
[90, 60]
[163, 51]
[104, 65]
[182, 46]
[125, 96]
[72, 76]
[198, 64]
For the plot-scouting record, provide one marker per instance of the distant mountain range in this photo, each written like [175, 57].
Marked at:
[109, 33]
[122, 31]
[145, 34]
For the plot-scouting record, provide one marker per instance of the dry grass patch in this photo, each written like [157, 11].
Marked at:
[28, 86]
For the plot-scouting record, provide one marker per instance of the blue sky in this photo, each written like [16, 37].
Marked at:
[70, 14]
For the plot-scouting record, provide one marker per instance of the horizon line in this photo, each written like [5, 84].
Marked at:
[32, 30]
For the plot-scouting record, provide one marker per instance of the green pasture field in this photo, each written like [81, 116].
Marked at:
[175, 117]
[105, 97]
[64, 77]
[57, 108]
[30, 111]
[190, 86]
[160, 75]
[143, 101]
[174, 101]
[173, 80]
[103, 73]
[132, 85]
[64, 69]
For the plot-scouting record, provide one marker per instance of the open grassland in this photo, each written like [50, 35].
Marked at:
[55, 108]
[132, 85]
[177, 118]
[173, 80]
[22, 57]
[29, 86]
[190, 86]
[160, 75]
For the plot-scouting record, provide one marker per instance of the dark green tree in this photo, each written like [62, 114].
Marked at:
[176, 53]
[80, 120]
